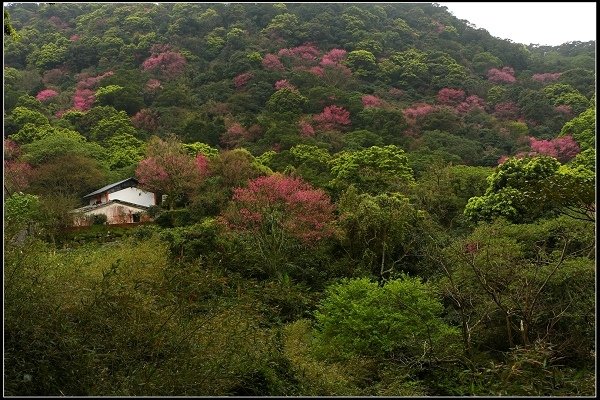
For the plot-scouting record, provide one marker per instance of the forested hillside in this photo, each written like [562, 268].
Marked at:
[360, 199]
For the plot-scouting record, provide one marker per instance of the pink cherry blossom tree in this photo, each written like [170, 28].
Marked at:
[369, 100]
[504, 75]
[332, 118]
[46, 94]
[272, 63]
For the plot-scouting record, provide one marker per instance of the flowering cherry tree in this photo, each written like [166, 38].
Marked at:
[165, 60]
[272, 63]
[504, 75]
[417, 111]
[546, 77]
[563, 148]
[242, 79]
[369, 100]
[277, 205]
[168, 169]
[332, 118]
[46, 94]
[449, 96]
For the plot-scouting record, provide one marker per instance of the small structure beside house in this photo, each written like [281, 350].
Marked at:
[122, 202]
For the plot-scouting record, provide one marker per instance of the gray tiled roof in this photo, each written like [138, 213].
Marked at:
[108, 187]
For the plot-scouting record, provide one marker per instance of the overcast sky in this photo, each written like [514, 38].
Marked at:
[538, 23]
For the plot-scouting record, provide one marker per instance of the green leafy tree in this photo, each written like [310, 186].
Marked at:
[362, 63]
[373, 170]
[402, 319]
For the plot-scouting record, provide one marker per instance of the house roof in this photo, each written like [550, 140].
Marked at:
[112, 185]
[96, 206]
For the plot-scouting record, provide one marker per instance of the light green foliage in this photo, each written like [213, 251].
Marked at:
[286, 100]
[482, 62]
[31, 132]
[201, 148]
[106, 95]
[115, 125]
[372, 170]
[582, 128]
[124, 150]
[60, 142]
[21, 116]
[528, 188]
[20, 210]
[285, 24]
[359, 318]
[49, 55]
[362, 63]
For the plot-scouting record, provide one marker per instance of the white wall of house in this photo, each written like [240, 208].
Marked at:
[133, 195]
[115, 213]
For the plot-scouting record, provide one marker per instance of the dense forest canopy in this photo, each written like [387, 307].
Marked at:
[360, 199]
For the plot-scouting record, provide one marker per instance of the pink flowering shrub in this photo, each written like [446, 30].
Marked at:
[165, 60]
[242, 79]
[272, 63]
[282, 206]
[369, 100]
[90, 82]
[74, 38]
[449, 96]
[332, 118]
[284, 84]
[471, 103]
[417, 111]
[546, 77]
[504, 75]
[83, 99]
[11, 149]
[333, 58]
[304, 53]
[563, 148]
[318, 71]
[46, 94]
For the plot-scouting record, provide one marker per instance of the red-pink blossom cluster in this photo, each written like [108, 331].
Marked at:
[507, 110]
[165, 61]
[46, 94]
[316, 70]
[305, 52]
[307, 211]
[284, 84]
[563, 148]
[449, 96]
[150, 173]
[58, 23]
[332, 118]
[74, 38]
[471, 103]
[145, 119]
[504, 75]
[202, 165]
[417, 111]
[306, 129]
[272, 63]
[242, 79]
[83, 99]
[369, 100]
[333, 58]
[546, 77]
[89, 82]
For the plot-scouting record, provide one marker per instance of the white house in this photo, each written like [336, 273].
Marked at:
[122, 202]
